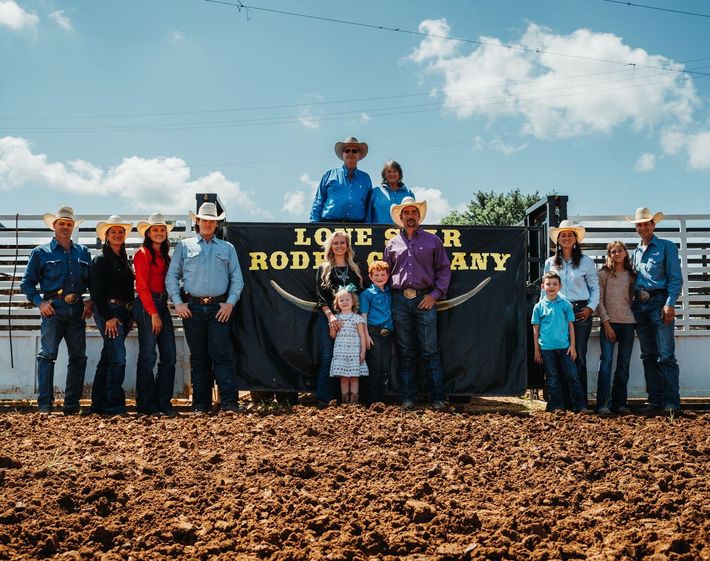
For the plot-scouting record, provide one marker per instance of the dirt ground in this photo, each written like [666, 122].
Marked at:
[348, 483]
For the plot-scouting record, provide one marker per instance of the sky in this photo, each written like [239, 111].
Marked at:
[133, 107]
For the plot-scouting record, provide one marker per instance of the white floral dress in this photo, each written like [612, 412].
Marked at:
[346, 351]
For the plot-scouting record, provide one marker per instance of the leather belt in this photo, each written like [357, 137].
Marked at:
[382, 330]
[206, 300]
[70, 298]
[411, 293]
[161, 297]
[644, 295]
[122, 303]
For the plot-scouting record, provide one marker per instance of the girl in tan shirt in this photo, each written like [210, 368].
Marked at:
[616, 279]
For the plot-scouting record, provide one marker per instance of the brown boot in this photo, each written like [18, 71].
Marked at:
[354, 398]
[345, 398]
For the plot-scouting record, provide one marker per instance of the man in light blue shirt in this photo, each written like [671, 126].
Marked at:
[211, 285]
[344, 193]
[656, 289]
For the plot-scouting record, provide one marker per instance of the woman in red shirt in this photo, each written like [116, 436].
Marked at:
[155, 326]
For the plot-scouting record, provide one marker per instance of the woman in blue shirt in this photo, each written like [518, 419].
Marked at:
[580, 286]
[391, 192]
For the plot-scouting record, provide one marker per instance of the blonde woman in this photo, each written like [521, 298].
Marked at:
[337, 270]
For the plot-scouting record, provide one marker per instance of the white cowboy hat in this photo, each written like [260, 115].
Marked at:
[207, 211]
[644, 215]
[350, 141]
[567, 226]
[113, 220]
[155, 219]
[396, 210]
[65, 213]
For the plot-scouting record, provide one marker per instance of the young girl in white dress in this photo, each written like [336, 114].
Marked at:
[350, 347]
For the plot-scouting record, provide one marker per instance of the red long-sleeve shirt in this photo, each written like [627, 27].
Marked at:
[150, 277]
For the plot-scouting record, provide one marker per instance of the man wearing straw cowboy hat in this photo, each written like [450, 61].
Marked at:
[61, 268]
[344, 192]
[212, 283]
[420, 275]
[656, 289]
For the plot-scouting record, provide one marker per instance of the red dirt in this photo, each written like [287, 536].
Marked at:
[347, 484]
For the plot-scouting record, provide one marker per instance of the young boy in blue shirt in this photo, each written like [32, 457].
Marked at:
[376, 308]
[553, 328]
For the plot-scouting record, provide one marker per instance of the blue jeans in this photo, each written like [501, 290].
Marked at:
[613, 395]
[153, 393]
[67, 324]
[107, 395]
[657, 342]
[324, 385]
[415, 330]
[210, 357]
[582, 329]
[557, 360]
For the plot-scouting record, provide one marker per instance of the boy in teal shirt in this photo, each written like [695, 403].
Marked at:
[553, 328]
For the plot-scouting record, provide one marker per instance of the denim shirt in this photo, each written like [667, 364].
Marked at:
[581, 283]
[54, 268]
[657, 268]
[338, 199]
[381, 200]
[206, 269]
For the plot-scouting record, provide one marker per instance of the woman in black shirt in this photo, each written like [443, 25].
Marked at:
[112, 293]
[338, 269]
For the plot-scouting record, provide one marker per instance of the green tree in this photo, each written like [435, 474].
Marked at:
[493, 209]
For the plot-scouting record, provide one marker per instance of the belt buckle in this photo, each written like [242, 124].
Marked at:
[71, 298]
[384, 332]
[410, 293]
[205, 300]
[643, 295]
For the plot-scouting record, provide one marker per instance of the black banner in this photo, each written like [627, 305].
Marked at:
[482, 339]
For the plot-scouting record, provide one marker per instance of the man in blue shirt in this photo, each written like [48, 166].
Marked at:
[656, 289]
[211, 285]
[344, 193]
[61, 268]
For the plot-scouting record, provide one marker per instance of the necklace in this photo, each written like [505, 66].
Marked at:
[342, 273]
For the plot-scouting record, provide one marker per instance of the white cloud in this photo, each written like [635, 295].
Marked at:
[307, 119]
[17, 19]
[297, 203]
[364, 118]
[507, 149]
[557, 96]
[645, 163]
[696, 146]
[434, 47]
[175, 36]
[61, 20]
[145, 184]
[437, 205]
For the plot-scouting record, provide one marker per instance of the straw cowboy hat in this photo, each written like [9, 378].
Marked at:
[567, 226]
[350, 141]
[155, 219]
[644, 215]
[207, 211]
[396, 210]
[65, 213]
[113, 220]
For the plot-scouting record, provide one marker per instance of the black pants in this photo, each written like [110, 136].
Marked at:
[379, 360]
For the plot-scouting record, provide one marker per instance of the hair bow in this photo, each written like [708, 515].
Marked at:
[350, 288]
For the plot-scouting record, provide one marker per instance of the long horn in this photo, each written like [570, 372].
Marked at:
[303, 304]
[448, 304]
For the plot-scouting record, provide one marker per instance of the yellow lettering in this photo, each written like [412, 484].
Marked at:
[390, 233]
[318, 258]
[299, 260]
[374, 256]
[258, 261]
[500, 259]
[321, 235]
[362, 236]
[458, 261]
[479, 261]
[301, 238]
[452, 238]
[278, 260]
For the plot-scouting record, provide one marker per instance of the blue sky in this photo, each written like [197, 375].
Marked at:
[133, 106]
